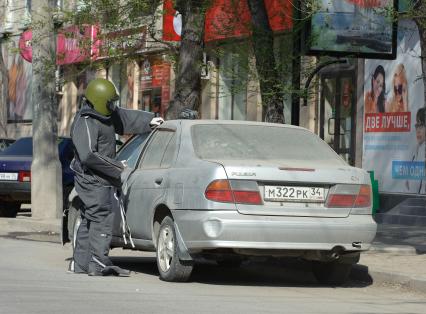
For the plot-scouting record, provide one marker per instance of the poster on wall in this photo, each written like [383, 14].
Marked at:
[360, 28]
[19, 86]
[394, 126]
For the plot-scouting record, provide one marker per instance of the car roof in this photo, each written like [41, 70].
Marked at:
[189, 123]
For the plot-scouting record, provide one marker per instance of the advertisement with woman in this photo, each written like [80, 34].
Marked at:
[394, 131]
[19, 87]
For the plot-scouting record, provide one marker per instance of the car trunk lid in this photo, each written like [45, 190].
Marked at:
[11, 166]
[276, 178]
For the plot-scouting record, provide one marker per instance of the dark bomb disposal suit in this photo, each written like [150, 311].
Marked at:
[97, 177]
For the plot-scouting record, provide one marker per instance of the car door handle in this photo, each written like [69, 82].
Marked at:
[158, 181]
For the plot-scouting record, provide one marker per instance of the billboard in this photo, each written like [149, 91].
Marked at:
[394, 126]
[359, 28]
[19, 74]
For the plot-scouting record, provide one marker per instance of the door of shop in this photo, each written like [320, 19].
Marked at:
[337, 113]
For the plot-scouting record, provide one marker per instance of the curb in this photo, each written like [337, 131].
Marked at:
[31, 225]
[395, 249]
[363, 273]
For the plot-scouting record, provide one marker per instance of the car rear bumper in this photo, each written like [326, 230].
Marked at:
[227, 229]
[15, 191]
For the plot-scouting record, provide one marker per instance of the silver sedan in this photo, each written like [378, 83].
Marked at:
[230, 190]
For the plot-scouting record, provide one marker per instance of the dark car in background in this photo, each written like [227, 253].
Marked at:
[15, 173]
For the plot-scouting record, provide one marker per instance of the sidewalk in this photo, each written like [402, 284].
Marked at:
[397, 257]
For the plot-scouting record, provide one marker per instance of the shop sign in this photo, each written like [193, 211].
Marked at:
[165, 87]
[228, 19]
[146, 75]
[75, 44]
[172, 22]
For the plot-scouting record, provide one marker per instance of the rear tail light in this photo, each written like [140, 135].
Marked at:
[234, 191]
[349, 196]
[219, 191]
[24, 176]
[364, 197]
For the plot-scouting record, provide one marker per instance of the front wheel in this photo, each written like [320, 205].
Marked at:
[170, 267]
[74, 221]
[331, 273]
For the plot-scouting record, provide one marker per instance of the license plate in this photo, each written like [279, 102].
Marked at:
[294, 193]
[8, 176]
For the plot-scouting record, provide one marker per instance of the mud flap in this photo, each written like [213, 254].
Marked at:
[183, 250]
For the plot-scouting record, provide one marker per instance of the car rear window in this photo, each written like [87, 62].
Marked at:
[256, 142]
[22, 147]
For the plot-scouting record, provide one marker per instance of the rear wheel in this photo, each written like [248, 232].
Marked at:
[170, 267]
[9, 209]
[331, 273]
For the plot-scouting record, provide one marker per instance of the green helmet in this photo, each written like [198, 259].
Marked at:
[99, 92]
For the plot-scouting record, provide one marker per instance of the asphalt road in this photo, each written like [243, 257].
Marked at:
[33, 280]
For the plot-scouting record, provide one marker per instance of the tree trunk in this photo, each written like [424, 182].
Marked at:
[4, 93]
[46, 174]
[188, 80]
[263, 44]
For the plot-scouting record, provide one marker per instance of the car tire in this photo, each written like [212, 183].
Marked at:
[74, 221]
[170, 267]
[9, 209]
[331, 273]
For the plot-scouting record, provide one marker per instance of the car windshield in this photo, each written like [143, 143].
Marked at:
[22, 147]
[257, 142]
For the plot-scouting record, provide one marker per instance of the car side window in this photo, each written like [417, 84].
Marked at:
[155, 150]
[132, 149]
[169, 154]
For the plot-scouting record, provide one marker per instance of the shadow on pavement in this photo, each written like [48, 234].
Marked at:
[274, 273]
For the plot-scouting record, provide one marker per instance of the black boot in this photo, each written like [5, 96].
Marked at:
[115, 271]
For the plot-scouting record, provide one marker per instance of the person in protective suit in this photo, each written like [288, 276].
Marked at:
[98, 175]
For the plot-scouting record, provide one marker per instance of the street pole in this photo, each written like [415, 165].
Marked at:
[46, 175]
[295, 77]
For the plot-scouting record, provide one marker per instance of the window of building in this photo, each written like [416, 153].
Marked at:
[232, 98]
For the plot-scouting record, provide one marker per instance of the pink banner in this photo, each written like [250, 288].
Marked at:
[74, 45]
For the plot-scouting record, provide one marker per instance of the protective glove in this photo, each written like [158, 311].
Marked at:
[155, 122]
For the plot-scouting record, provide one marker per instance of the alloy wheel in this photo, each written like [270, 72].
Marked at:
[166, 248]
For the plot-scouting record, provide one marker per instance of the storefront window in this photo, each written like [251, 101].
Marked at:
[154, 91]
[232, 101]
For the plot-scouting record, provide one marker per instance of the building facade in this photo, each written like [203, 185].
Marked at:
[335, 108]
